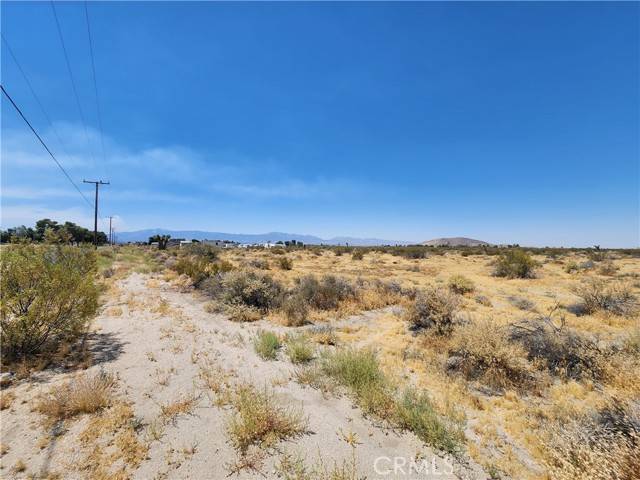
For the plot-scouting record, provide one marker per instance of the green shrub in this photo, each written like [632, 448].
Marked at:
[261, 420]
[434, 308]
[415, 412]
[48, 296]
[360, 372]
[266, 345]
[285, 263]
[298, 348]
[461, 284]
[515, 263]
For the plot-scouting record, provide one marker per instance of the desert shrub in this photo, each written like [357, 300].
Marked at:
[298, 348]
[295, 310]
[199, 269]
[285, 263]
[253, 289]
[339, 251]
[571, 267]
[242, 313]
[324, 335]
[461, 284]
[48, 296]
[615, 298]
[208, 252]
[259, 263]
[357, 255]
[433, 308]
[195, 269]
[415, 412]
[410, 252]
[266, 345]
[85, 394]
[515, 263]
[326, 293]
[608, 268]
[482, 351]
[278, 251]
[261, 420]
[602, 446]
[484, 300]
[562, 351]
[521, 303]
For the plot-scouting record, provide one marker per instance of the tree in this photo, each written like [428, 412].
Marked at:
[162, 240]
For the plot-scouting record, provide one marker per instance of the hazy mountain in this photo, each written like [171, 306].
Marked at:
[143, 236]
[454, 242]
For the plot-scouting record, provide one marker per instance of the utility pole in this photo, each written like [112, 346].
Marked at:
[95, 214]
[110, 231]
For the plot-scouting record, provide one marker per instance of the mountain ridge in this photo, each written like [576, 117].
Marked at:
[143, 236]
[454, 242]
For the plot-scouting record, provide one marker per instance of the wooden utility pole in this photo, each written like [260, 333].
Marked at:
[110, 231]
[95, 213]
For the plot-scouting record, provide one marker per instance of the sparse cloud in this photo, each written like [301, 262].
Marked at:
[172, 174]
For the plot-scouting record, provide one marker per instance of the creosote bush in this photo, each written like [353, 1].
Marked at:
[434, 308]
[461, 284]
[357, 255]
[48, 296]
[515, 263]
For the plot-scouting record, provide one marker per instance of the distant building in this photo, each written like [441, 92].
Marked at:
[221, 243]
[186, 242]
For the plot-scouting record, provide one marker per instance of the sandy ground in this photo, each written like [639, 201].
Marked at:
[156, 340]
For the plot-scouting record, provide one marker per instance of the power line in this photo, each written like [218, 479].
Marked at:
[45, 145]
[35, 96]
[73, 83]
[95, 83]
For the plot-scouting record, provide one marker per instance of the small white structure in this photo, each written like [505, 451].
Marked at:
[269, 245]
[185, 242]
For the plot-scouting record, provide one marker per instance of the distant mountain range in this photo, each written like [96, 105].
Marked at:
[454, 242]
[143, 236]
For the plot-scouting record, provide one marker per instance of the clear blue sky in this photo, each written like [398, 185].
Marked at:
[508, 122]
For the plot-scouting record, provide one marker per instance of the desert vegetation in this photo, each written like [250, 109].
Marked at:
[522, 362]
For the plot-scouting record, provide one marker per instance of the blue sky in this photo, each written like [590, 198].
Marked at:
[508, 122]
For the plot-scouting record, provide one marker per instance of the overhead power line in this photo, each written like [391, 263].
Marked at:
[73, 83]
[35, 96]
[45, 146]
[95, 83]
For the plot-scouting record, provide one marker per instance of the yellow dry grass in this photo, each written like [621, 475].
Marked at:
[509, 426]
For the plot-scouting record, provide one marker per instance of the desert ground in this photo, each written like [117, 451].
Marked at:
[197, 386]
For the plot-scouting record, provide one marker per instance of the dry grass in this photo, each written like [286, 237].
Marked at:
[261, 420]
[482, 351]
[6, 399]
[84, 394]
[180, 406]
